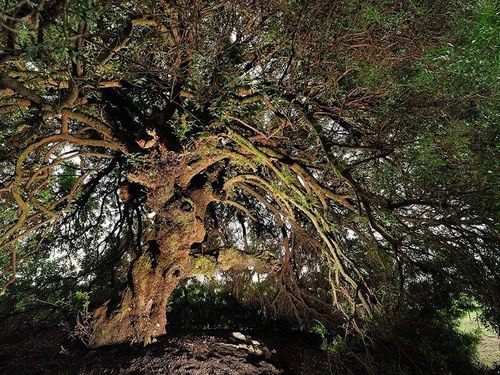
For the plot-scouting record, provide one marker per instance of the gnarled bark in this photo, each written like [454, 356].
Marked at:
[141, 314]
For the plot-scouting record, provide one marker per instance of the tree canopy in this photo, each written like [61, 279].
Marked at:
[327, 161]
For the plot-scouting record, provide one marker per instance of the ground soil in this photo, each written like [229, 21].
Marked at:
[48, 350]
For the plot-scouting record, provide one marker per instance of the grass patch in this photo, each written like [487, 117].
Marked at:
[488, 350]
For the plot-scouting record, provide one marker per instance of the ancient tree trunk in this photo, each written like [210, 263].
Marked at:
[141, 314]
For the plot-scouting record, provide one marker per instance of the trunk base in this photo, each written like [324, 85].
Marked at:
[141, 315]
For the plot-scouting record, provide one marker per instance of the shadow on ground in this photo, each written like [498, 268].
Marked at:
[48, 351]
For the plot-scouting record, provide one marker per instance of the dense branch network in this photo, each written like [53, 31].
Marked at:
[220, 118]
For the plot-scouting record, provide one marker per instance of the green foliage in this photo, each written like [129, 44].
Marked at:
[414, 340]
[335, 347]
[209, 304]
[382, 102]
[82, 298]
[67, 177]
[82, 330]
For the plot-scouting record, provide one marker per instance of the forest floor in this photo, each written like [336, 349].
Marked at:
[49, 351]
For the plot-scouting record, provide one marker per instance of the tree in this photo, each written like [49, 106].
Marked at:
[166, 139]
